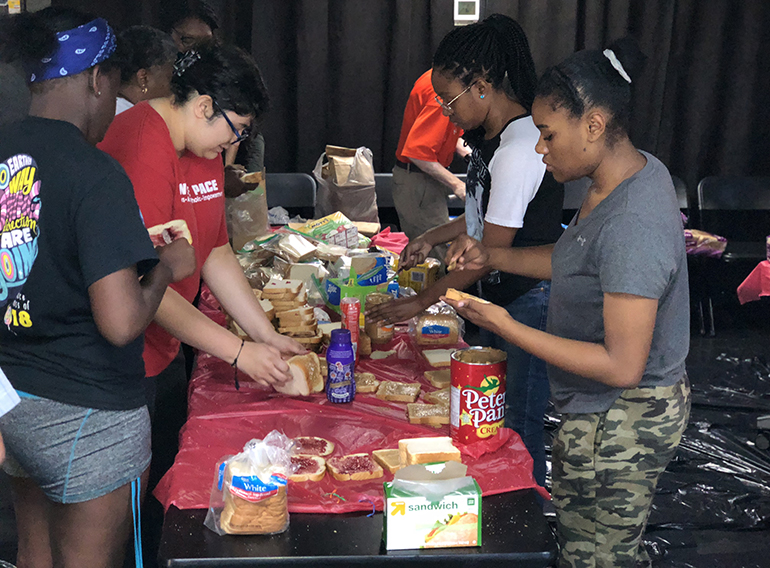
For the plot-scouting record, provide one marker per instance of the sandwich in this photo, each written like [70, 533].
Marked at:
[441, 396]
[366, 383]
[438, 357]
[165, 234]
[354, 467]
[388, 459]
[439, 379]
[398, 392]
[430, 414]
[460, 529]
[313, 446]
[428, 450]
[308, 468]
[306, 376]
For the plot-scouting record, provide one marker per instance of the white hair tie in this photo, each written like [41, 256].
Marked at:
[609, 54]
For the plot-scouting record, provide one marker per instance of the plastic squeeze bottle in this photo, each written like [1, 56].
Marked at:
[340, 382]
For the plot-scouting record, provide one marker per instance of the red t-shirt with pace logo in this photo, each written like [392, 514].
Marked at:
[168, 187]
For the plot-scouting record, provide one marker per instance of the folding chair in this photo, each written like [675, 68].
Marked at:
[295, 192]
[737, 208]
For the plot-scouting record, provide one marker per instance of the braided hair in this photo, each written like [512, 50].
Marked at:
[587, 79]
[496, 50]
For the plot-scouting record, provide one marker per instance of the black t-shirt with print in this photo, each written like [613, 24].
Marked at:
[542, 221]
[69, 218]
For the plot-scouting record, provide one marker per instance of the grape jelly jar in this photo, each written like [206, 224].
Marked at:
[340, 382]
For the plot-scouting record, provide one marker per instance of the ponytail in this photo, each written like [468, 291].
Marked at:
[592, 78]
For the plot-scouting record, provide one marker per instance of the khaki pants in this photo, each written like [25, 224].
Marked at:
[421, 204]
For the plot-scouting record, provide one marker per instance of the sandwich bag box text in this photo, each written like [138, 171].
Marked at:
[432, 506]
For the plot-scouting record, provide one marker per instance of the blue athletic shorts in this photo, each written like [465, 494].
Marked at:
[73, 453]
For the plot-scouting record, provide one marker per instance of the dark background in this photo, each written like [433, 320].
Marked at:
[340, 71]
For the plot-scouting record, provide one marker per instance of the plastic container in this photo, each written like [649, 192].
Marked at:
[340, 381]
[378, 332]
[477, 394]
[351, 314]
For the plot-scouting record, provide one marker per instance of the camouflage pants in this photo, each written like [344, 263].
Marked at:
[605, 469]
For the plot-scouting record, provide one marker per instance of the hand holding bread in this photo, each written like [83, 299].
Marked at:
[466, 253]
[263, 364]
[414, 253]
[179, 257]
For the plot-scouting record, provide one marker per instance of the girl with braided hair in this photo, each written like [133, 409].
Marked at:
[485, 80]
[618, 320]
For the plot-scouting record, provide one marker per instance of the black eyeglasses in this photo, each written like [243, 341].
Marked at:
[239, 136]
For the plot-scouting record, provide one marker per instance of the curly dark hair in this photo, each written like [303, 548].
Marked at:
[226, 73]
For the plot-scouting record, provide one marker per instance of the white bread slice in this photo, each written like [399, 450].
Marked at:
[302, 313]
[327, 328]
[306, 376]
[253, 177]
[440, 396]
[282, 289]
[398, 392]
[366, 383]
[299, 328]
[287, 305]
[438, 357]
[313, 446]
[428, 450]
[313, 343]
[439, 379]
[310, 468]
[457, 295]
[388, 459]
[354, 467]
[164, 234]
[268, 308]
[431, 414]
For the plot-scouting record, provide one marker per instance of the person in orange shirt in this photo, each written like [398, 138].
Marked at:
[421, 178]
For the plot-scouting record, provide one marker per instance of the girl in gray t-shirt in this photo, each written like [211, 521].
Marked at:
[618, 318]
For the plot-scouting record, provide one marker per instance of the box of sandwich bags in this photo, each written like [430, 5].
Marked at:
[432, 506]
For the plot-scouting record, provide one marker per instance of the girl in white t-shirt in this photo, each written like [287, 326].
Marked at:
[485, 80]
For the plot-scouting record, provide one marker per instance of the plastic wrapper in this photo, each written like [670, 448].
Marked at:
[391, 241]
[247, 216]
[701, 243]
[334, 229]
[438, 325]
[249, 495]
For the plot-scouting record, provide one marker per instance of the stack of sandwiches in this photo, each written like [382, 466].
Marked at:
[295, 317]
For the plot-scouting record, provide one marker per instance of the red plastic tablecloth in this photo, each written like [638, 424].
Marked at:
[221, 420]
[756, 285]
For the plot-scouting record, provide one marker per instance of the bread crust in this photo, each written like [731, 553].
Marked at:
[458, 295]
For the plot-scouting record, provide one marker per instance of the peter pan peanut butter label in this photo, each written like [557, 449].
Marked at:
[477, 405]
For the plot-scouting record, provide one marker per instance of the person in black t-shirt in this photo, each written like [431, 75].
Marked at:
[79, 283]
[485, 80]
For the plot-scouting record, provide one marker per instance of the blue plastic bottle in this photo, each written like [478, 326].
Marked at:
[341, 382]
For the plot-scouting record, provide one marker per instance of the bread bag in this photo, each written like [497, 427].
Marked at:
[249, 492]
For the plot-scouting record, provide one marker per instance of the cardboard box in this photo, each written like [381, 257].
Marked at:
[451, 519]
[421, 276]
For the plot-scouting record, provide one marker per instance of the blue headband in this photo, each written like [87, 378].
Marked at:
[79, 49]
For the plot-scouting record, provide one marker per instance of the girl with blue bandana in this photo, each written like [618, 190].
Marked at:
[80, 282]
